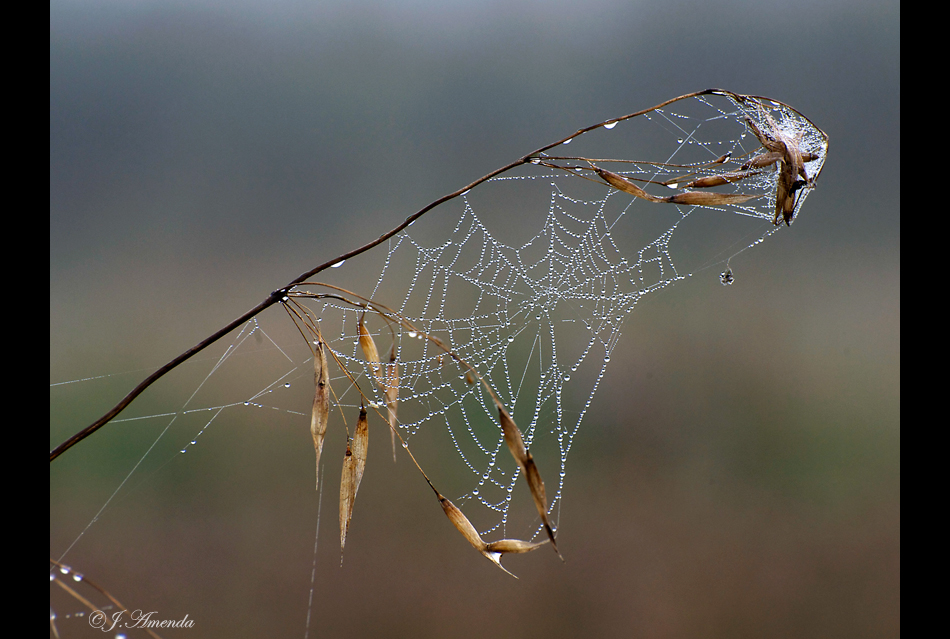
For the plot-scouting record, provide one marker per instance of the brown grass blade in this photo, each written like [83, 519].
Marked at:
[516, 445]
[354, 463]
[492, 551]
[321, 402]
[391, 391]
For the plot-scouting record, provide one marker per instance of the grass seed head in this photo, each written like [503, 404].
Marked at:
[321, 403]
[354, 463]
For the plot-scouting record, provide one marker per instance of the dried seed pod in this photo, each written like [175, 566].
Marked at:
[354, 463]
[700, 198]
[391, 390]
[321, 402]
[623, 184]
[513, 546]
[492, 551]
[516, 446]
[370, 353]
[716, 180]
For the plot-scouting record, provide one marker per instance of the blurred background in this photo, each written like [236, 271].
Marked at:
[739, 471]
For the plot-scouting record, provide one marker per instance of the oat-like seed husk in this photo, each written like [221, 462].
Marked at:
[692, 197]
[515, 443]
[354, 463]
[623, 184]
[709, 199]
[370, 353]
[391, 391]
[492, 551]
[321, 403]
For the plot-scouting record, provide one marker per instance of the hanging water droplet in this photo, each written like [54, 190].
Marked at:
[412, 333]
[567, 378]
[77, 577]
[568, 141]
[610, 125]
[726, 277]
[184, 450]
[606, 359]
[247, 403]
[338, 264]
[287, 385]
[511, 338]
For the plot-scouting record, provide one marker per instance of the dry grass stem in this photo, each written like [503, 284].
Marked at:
[92, 607]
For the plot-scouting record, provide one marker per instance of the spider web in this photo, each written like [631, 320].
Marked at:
[528, 278]
[539, 317]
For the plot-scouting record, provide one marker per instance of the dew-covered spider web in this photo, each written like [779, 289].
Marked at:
[527, 279]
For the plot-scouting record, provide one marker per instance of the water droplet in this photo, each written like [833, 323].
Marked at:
[610, 125]
[287, 385]
[77, 577]
[567, 378]
[511, 338]
[194, 441]
[338, 264]
[679, 140]
[184, 450]
[726, 277]
[606, 359]
[412, 333]
[247, 403]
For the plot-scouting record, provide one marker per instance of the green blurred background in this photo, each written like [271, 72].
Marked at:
[739, 472]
